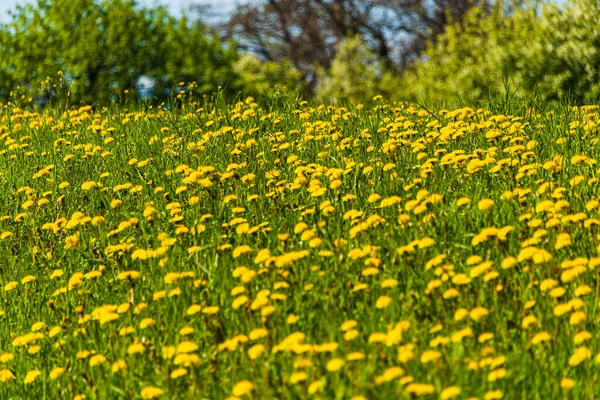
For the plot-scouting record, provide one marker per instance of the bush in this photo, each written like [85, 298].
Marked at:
[355, 73]
[258, 77]
[104, 48]
[532, 50]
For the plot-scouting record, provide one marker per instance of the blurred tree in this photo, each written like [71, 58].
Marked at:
[308, 32]
[104, 47]
[574, 35]
[355, 73]
[258, 77]
[470, 60]
[196, 55]
[529, 48]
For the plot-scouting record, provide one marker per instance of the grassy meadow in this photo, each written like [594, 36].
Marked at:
[294, 250]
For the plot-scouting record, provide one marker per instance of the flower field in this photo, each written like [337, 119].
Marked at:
[299, 251]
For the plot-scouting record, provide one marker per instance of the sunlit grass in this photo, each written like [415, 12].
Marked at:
[292, 250]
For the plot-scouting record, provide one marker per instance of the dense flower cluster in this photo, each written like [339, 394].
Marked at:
[240, 251]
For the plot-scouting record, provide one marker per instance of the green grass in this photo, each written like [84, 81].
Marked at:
[292, 205]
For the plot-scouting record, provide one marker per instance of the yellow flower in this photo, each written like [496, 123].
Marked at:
[31, 376]
[258, 333]
[581, 354]
[315, 386]
[430, 355]
[541, 337]
[383, 302]
[6, 375]
[450, 393]
[255, 351]
[128, 275]
[89, 185]
[186, 347]
[298, 377]
[335, 364]
[355, 356]
[496, 374]
[179, 372]
[493, 395]
[242, 388]
[55, 331]
[72, 242]
[562, 240]
[463, 201]
[567, 383]
[193, 309]
[56, 372]
[146, 322]
[115, 203]
[97, 360]
[210, 310]
[478, 313]
[119, 365]
[485, 204]
[292, 319]
[151, 392]
[389, 283]
[135, 348]
[389, 375]
[420, 389]
[241, 250]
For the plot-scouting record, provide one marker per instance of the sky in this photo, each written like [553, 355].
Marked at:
[176, 7]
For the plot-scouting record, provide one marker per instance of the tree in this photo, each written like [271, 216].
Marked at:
[193, 54]
[355, 73]
[308, 32]
[574, 36]
[258, 77]
[104, 48]
[534, 49]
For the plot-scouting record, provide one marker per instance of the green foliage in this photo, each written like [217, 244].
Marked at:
[355, 73]
[195, 55]
[103, 48]
[469, 61]
[575, 36]
[259, 77]
[530, 49]
[299, 251]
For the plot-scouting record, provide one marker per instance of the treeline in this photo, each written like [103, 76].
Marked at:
[95, 52]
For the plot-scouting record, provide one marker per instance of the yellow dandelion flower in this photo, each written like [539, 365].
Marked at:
[6, 375]
[493, 395]
[335, 364]
[255, 351]
[31, 376]
[383, 302]
[97, 360]
[463, 201]
[485, 204]
[450, 393]
[146, 322]
[178, 373]
[567, 383]
[242, 388]
[151, 392]
[56, 373]
[119, 365]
